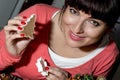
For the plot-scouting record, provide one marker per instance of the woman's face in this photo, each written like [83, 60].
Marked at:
[81, 29]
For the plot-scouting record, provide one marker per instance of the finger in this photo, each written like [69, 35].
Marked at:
[58, 72]
[52, 77]
[12, 30]
[16, 22]
[13, 37]
[20, 17]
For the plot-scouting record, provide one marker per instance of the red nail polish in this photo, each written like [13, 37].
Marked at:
[23, 22]
[46, 68]
[24, 17]
[22, 35]
[19, 28]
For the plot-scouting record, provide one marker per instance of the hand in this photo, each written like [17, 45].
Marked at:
[15, 42]
[56, 74]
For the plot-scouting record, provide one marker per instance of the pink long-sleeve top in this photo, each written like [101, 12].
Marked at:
[25, 64]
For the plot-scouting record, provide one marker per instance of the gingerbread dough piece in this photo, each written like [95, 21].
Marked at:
[28, 29]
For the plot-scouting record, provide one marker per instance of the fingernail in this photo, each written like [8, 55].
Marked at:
[24, 17]
[23, 22]
[19, 28]
[22, 35]
[47, 68]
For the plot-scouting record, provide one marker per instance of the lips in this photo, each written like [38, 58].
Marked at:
[76, 37]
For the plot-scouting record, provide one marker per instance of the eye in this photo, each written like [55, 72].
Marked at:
[95, 23]
[73, 11]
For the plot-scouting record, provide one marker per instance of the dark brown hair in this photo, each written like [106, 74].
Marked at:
[105, 10]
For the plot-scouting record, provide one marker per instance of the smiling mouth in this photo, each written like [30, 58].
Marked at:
[76, 37]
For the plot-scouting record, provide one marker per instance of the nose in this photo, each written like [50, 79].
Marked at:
[79, 28]
[81, 23]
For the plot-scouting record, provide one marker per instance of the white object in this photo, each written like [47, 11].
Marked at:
[41, 64]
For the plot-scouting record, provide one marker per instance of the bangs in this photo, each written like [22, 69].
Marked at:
[99, 9]
[100, 6]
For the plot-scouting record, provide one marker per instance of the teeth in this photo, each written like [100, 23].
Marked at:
[75, 36]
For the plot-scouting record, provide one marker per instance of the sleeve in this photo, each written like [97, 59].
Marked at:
[5, 58]
[106, 60]
[43, 13]
[31, 10]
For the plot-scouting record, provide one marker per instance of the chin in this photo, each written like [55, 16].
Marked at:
[74, 45]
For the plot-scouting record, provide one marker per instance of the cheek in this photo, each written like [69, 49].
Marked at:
[69, 20]
[93, 36]
[94, 33]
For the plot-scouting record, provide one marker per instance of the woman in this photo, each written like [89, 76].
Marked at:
[73, 40]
